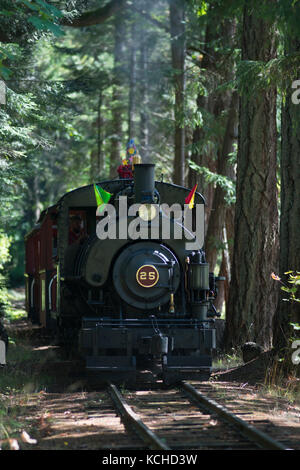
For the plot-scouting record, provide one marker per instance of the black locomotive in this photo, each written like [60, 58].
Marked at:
[123, 300]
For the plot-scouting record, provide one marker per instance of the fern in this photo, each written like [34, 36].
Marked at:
[254, 76]
[223, 181]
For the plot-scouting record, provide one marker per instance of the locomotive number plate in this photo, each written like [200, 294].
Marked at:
[147, 275]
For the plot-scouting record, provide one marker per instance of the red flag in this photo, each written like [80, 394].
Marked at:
[190, 198]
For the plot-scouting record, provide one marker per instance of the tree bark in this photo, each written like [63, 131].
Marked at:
[213, 105]
[217, 220]
[253, 296]
[144, 116]
[177, 15]
[199, 156]
[99, 134]
[117, 107]
[289, 258]
[96, 153]
[132, 125]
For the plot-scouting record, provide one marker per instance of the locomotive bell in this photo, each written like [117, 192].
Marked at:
[136, 160]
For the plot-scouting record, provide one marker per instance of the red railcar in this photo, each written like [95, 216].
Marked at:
[40, 268]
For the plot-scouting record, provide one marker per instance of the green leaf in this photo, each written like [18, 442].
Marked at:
[202, 10]
[37, 22]
[6, 53]
[30, 5]
[6, 13]
[45, 25]
[286, 289]
[52, 10]
[5, 72]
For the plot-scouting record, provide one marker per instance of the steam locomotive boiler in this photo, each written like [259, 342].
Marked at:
[132, 285]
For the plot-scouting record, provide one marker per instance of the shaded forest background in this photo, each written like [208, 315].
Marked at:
[209, 91]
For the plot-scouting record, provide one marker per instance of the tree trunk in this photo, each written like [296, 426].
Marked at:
[289, 259]
[177, 15]
[200, 156]
[203, 103]
[96, 152]
[214, 105]
[217, 220]
[144, 122]
[253, 296]
[99, 134]
[117, 107]
[132, 131]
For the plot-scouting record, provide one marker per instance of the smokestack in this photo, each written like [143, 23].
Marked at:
[144, 183]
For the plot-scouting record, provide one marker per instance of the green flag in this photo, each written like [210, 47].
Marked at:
[102, 197]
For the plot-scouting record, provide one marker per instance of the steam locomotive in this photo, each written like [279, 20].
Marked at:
[121, 301]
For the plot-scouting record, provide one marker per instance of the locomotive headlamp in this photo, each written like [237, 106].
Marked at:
[147, 212]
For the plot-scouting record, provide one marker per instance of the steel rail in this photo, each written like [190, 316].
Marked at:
[134, 420]
[259, 437]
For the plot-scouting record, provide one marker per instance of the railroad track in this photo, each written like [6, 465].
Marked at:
[184, 418]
